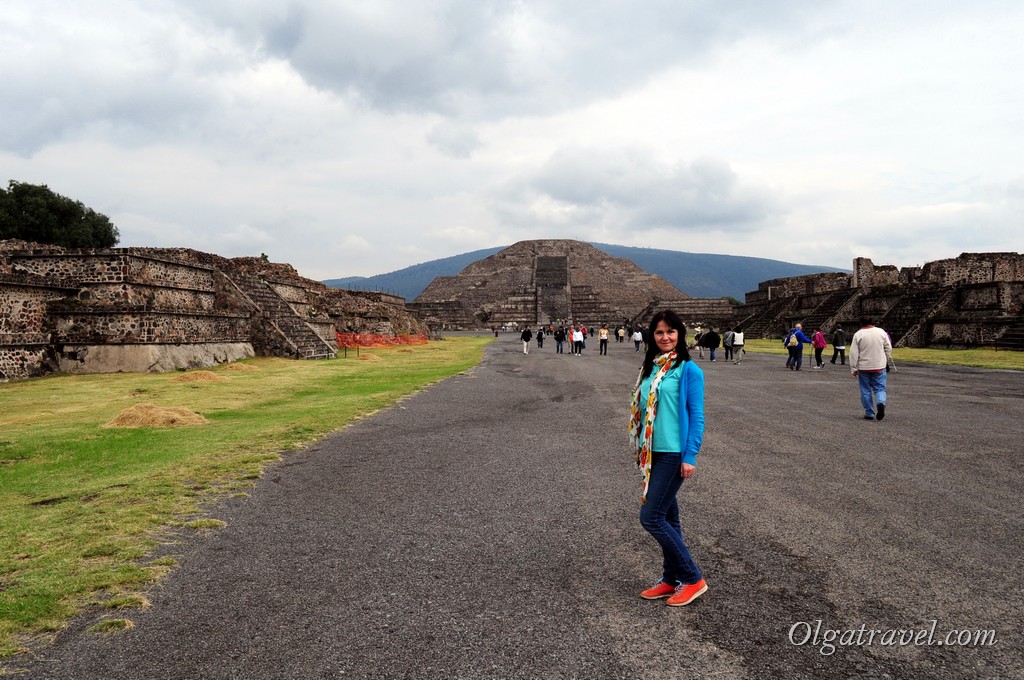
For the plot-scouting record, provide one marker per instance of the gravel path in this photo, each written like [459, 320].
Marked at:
[487, 528]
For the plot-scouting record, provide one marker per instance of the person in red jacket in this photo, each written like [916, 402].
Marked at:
[818, 342]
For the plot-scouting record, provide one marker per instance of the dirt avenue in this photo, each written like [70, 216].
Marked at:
[488, 528]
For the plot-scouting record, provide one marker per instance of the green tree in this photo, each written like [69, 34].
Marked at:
[32, 212]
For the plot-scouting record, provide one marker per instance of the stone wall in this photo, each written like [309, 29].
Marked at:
[703, 312]
[970, 300]
[21, 359]
[164, 308]
[147, 295]
[967, 268]
[134, 326]
[23, 306]
[108, 358]
[807, 284]
[112, 266]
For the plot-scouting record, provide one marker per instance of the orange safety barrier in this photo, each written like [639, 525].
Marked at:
[378, 340]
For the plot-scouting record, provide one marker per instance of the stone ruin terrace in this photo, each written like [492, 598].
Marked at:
[145, 309]
[976, 299]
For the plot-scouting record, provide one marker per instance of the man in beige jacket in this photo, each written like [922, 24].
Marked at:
[870, 352]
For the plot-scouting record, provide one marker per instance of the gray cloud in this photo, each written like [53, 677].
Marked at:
[491, 58]
[629, 188]
[85, 78]
[457, 141]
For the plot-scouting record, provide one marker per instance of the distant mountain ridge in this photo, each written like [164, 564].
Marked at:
[696, 274]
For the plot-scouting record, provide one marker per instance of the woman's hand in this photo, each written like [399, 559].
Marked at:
[687, 470]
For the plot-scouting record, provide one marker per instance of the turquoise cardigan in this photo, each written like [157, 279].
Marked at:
[691, 411]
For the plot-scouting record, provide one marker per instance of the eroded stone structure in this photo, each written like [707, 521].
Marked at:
[715, 313]
[545, 282]
[147, 309]
[972, 300]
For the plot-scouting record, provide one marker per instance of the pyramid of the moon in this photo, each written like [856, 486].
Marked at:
[542, 282]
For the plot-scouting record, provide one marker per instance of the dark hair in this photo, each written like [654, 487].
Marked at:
[673, 321]
[865, 320]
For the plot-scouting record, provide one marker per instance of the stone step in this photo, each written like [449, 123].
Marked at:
[1013, 337]
[307, 344]
[909, 311]
[823, 313]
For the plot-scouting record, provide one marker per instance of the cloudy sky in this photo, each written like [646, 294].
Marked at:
[357, 137]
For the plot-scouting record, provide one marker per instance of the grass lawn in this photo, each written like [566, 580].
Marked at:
[82, 505]
[981, 358]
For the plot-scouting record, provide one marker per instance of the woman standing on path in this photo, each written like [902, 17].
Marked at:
[666, 427]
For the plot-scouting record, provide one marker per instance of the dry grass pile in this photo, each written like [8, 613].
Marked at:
[199, 376]
[365, 356]
[150, 415]
[240, 367]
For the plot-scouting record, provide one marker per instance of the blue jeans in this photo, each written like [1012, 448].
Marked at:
[871, 383]
[660, 517]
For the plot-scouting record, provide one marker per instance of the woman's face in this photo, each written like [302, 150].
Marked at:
[665, 337]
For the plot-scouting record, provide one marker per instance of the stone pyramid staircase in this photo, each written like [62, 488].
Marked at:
[771, 317]
[551, 276]
[1013, 337]
[301, 341]
[822, 315]
[910, 310]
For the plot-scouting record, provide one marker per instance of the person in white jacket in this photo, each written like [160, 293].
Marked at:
[577, 341]
[870, 352]
[737, 346]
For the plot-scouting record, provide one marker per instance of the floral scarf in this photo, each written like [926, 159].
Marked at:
[640, 434]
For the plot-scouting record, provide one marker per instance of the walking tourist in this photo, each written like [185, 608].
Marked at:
[602, 335]
[711, 339]
[794, 342]
[727, 339]
[577, 341]
[839, 345]
[870, 353]
[818, 342]
[559, 340]
[737, 345]
[526, 336]
[666, 428]
[638, 337]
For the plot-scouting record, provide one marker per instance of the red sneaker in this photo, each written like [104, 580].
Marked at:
[684, 595]
[658, 591]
